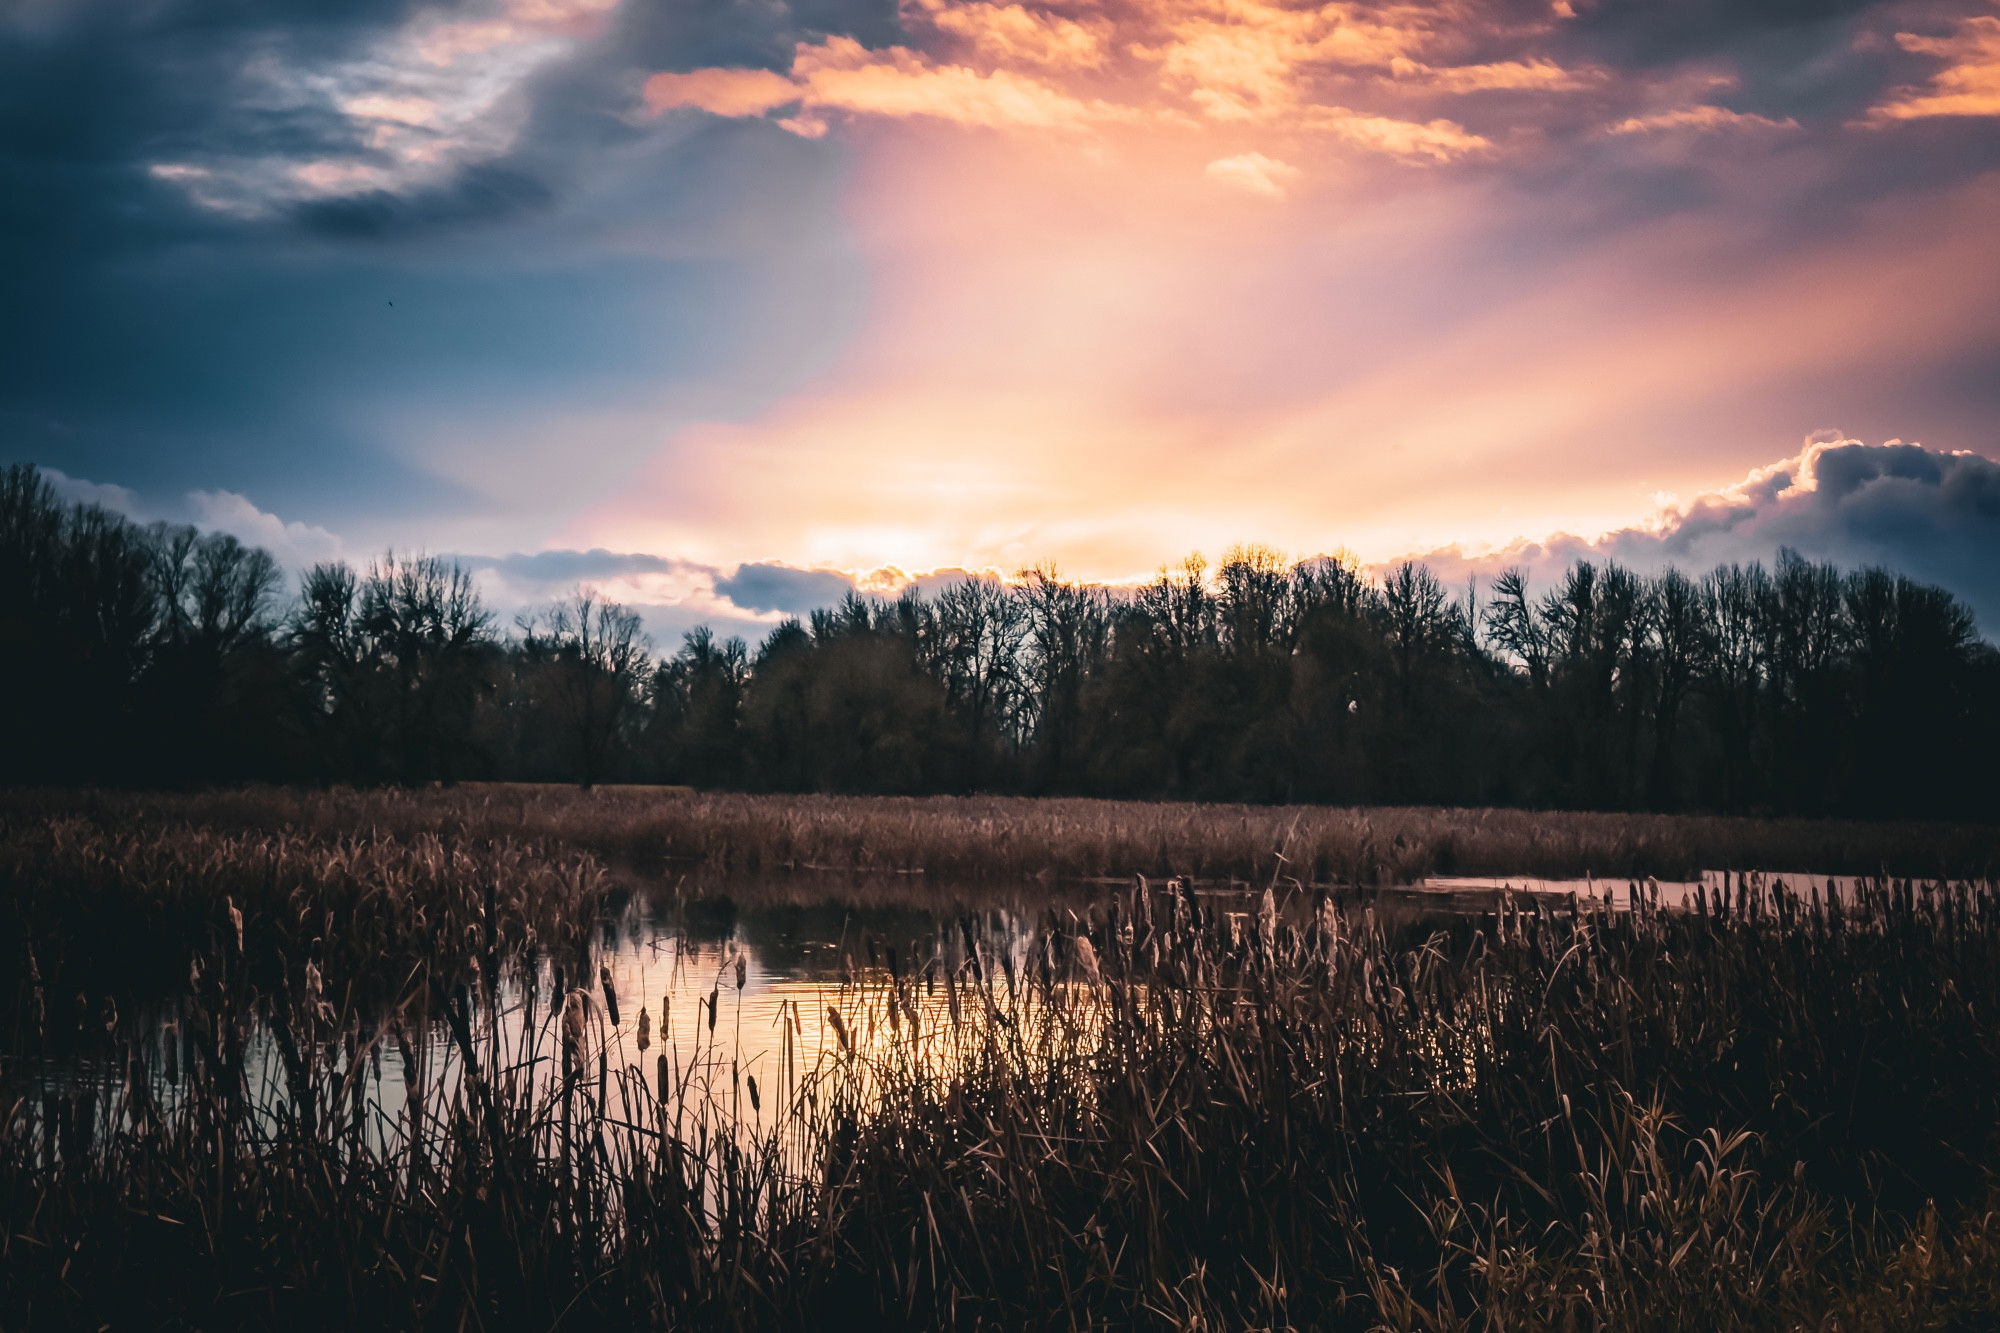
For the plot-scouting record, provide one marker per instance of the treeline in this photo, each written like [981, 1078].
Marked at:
[162, 655]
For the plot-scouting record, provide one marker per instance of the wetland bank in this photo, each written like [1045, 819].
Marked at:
[528, 1057]
[1321, 951]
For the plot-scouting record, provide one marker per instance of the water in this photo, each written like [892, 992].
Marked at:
[720, 1001]
[723, 1008]
[1480, 892]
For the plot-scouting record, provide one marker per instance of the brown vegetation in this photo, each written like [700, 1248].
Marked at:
[1770, 1112]
[658, 831]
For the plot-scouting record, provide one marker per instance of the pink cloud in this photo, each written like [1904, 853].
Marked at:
[1538, 74]
[1015, 33]
[1432, 141]
[840, 74]
[1969, 83]
[1253, 172]
[1702, 119]
[721, 92]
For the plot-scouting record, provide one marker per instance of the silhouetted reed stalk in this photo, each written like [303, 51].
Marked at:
[1173, 1109]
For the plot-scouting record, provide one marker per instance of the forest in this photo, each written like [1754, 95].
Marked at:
[159, 655]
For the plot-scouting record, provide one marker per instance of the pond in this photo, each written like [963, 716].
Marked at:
[729, 1001]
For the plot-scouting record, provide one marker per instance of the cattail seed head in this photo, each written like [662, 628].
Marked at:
[1086, 960]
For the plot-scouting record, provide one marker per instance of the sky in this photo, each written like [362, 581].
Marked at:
[726, 307]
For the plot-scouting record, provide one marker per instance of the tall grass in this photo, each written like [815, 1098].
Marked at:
[1171, 1109]
[656, 830]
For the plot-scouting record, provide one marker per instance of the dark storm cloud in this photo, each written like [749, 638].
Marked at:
[477, 195]
[264, 339]
[1647, 32]
[774, 587]
[1932, 515]
[561, 566]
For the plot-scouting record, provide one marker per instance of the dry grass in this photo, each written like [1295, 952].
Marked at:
[657, 831]
[1175, 1111]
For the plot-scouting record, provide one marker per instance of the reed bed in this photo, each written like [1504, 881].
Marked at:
[662, 830]
[137, 905]
[1168, 1109]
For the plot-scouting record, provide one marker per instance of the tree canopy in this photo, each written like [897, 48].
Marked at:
[164, 655]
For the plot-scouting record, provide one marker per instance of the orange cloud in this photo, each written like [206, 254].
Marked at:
[840, 74]
[1700, 118]
[1255, 72]
[1015, 33]
[1429, 141]
[721, 92]
[1253, 172]
[1968, 85]
[1245, 60]
[1539, 74]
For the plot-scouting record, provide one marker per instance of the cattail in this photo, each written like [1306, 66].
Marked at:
[645, 1028]
[839, 1028]
[756, 1103]
[741, 971]
[575, 1017]
[610, 994]
[1086, 960]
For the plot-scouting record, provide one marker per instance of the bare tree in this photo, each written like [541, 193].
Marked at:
[1420, 621]
[598, 652]
[1065, 627]
[980, 626]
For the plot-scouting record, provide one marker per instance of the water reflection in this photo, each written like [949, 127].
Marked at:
[726, 1010]
[729, 1004]
[1464, 893]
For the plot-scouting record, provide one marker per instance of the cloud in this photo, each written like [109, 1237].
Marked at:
[1969, 83]
[722, 92]
[1432, 141]
[777, 587]
[841, 75]
[1229, 62]
[1243, 60]
[1931, 514]
[1537, 73]
[476, 196]
[118, 499]
[394, 267]
[1253, 172]
[1700, 118]
[571, 567]
[668, 623]
[296, 546]
[1019, 34]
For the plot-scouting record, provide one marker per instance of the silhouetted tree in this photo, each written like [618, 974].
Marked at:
[164, 655]
[594, 655]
